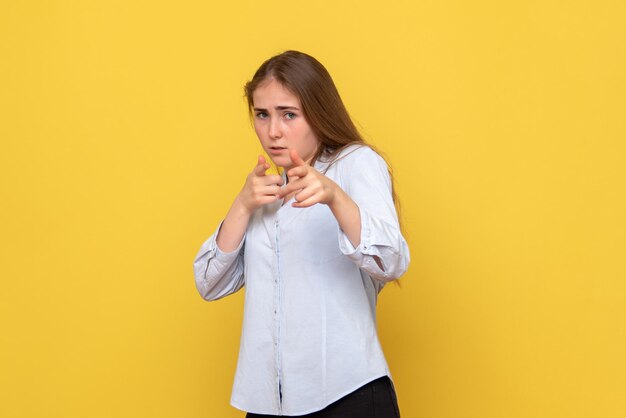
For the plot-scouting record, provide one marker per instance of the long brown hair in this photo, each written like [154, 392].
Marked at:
[322, 107]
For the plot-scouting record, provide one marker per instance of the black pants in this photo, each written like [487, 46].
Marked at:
[377, 399]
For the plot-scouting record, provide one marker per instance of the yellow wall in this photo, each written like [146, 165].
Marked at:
[124, 138]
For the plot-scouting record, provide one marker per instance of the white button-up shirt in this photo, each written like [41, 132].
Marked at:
[309, 329]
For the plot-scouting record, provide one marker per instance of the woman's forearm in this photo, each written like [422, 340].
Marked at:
[347, 213]
[234, 227]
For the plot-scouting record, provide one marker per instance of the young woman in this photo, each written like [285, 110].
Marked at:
[313, 247]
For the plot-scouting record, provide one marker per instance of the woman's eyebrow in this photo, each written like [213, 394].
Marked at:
[259, 109]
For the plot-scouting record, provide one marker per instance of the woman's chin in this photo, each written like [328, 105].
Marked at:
[281, 161]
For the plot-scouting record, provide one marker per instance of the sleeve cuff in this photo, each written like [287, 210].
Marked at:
[365, 246]
[222, 257]
[210, 251]
[231, 254]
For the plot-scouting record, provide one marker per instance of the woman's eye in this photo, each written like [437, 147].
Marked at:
[261, 115]
[290, 115]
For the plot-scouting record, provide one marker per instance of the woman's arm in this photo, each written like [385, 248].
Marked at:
[218, 266]
[218, 273]
[382, 252]
[313, 187]
[259, 189]
[364, 210]
[347, 213]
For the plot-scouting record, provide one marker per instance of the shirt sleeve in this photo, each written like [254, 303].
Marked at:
[217, 273]
[365, 178]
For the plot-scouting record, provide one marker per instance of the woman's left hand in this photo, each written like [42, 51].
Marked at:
[310, 185]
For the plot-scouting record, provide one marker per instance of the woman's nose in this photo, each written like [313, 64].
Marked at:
[275, 131]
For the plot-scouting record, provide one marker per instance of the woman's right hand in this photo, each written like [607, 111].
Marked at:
[260, 189]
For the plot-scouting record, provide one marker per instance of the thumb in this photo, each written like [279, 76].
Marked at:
[261, 166]
[295, 158]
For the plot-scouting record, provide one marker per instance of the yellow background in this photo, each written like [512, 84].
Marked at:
[124, 138]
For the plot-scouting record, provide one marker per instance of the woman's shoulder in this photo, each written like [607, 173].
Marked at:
[359, 166]
[359, 154]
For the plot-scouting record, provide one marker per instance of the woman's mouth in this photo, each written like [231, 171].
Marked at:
[277, 150]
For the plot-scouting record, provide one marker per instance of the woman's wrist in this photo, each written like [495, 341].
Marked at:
[338, 198]
[239, 207]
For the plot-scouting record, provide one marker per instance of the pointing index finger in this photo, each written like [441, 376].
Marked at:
[295, 158]
[261, 166]
[297, 172]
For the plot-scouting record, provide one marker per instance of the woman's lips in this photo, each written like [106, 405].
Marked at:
[277, 150]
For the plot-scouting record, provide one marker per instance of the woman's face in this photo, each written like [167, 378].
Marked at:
[280, 124]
